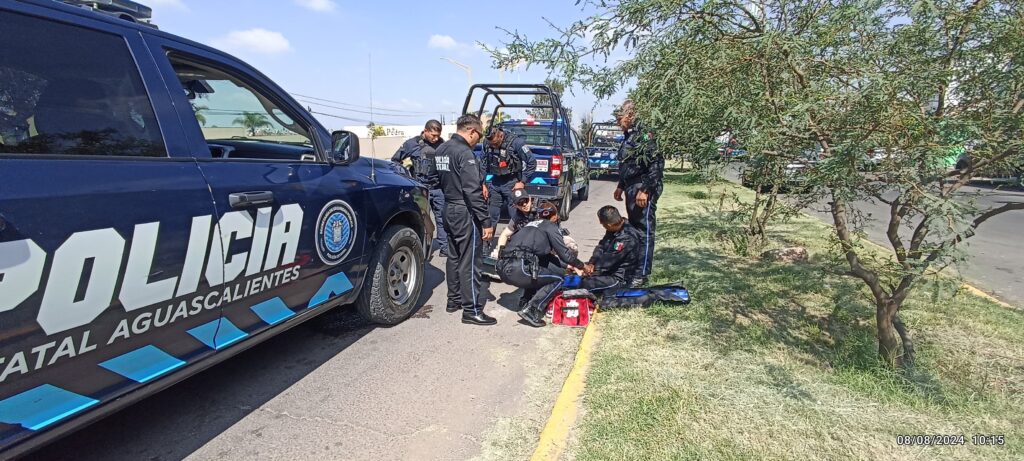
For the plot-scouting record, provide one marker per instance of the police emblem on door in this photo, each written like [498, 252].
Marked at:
[336, 232]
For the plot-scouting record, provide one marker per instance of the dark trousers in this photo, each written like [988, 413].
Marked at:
[437, 206]
[540, 289]
[644, 220]
[598, 284]
[501, 197]
[465, 257]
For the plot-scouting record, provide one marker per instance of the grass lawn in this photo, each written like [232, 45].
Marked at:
[776, 361]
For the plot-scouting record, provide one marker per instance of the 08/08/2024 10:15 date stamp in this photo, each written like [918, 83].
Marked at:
[950, 440]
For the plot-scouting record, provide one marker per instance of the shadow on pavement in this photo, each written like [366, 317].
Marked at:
[206, 405]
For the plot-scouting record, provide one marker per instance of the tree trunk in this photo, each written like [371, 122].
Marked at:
[888, 338]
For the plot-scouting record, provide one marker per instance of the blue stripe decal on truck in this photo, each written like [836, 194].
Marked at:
[335, 285]
[218, 334]
[538, 181]
[37, 408]
[142, 365]
[273, 311]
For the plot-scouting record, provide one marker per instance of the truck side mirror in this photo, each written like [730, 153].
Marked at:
[344, 147]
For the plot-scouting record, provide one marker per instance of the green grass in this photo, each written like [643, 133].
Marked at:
[776, 361]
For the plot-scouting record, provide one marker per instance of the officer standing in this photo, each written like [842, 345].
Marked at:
[417, 156]
[641, 171]
[510, 163]
[465, 220]
[615, 261]
[536, 260]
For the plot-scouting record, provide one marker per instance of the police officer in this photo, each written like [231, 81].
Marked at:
[615, 260]
[523, 212]
[641, 170]
[417, 156]
[510, 163]
[465, 220]
[536, 260]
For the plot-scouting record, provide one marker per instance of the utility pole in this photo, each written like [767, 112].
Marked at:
[469, 74]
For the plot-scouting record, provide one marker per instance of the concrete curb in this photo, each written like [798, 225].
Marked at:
[554, 438]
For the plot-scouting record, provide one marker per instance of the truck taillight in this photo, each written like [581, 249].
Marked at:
[556, 166]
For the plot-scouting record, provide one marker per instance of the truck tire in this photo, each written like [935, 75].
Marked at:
[584, 192]
[395, 278]
[565, 206]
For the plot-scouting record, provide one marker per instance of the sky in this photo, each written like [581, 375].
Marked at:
[323, 49]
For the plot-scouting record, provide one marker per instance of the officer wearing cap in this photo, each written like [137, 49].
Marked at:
[641, 172]
[417, 156]
[615, 261]
[465, 220]
[536, 260]
[510, 163]
[523, 212]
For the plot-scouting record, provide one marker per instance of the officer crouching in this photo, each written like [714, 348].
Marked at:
[536, 260]
[615, 262]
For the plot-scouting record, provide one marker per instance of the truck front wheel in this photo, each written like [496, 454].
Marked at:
[395, 278]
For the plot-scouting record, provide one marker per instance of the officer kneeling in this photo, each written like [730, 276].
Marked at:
[536, 260]
[615, 262]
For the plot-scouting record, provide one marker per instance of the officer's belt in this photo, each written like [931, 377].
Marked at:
[519, 254]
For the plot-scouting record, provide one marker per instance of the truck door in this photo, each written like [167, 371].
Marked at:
[103, 232]
[292, 226]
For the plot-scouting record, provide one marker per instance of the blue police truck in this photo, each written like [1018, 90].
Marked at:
[561, 161]
[164, 206]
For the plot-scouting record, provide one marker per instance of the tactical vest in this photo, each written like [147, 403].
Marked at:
[423, 167]
[504, 161]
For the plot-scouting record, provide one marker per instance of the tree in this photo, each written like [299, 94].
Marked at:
[587, 129]
[200, 117]
[917, 78]
[375, 130]
[558, 88]
[252, 121]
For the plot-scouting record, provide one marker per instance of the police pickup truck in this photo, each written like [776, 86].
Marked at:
[561, 161]
[139, 245]
[603, 148]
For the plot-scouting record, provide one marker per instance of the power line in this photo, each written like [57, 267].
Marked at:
[373, 112]
[374, 108]
[340, 117]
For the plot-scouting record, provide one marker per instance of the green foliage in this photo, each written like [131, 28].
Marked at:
[923, 81]
[375, 130]
[251, 121]
[200, 117]
[557, 87]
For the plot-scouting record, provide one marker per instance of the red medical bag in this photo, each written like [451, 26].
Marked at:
[570, 310]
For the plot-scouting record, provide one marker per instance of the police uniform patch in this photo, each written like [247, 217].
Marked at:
[619, 246]
[526, 150]
[336, 232]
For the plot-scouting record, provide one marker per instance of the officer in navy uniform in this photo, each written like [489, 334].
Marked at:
[616, 259]
[465, 220]
[536, 260]
[641, 174]
[417, 156]
[510, 163]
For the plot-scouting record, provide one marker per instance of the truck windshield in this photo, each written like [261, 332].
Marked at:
[536, 135]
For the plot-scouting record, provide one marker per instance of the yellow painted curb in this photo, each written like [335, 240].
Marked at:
[555, 436]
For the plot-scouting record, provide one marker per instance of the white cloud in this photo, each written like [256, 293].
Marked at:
[323, 6]
[260, 41]
[169, 4]
[444, 42]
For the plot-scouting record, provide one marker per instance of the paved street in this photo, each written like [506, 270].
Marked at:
[996, 256]
[337, 388]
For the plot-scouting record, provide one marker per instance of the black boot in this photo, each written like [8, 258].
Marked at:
[638, 282]
[479, 318]
[533, 316]
[452, 308]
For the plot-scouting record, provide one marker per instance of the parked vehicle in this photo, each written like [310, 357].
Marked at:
[603, 148]
[561, 161]
[1010, 171]
[788, 174]
[138, 248]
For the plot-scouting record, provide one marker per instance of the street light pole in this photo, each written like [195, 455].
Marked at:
[469, 73]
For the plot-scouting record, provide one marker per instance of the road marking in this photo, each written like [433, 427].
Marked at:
[554, 437]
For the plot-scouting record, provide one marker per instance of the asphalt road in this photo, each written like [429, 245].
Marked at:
[995, 261]
[338, 388]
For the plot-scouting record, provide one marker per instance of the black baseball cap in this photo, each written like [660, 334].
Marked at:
[519, 196]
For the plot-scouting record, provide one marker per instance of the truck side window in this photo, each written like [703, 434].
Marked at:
[65, 90]
[237, 120]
